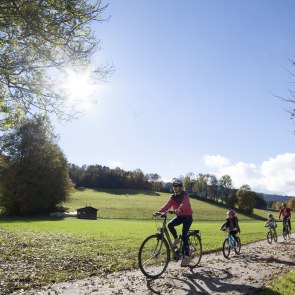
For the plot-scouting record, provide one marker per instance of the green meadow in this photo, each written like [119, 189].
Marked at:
[131, 204]
[41, 250]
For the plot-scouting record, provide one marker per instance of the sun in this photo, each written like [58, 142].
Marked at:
[78, 87]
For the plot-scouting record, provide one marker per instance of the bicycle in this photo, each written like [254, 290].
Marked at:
[286, 229]
[271, 235]
[230, 243]
[155, 251]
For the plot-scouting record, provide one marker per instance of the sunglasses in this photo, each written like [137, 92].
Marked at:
[175, 185]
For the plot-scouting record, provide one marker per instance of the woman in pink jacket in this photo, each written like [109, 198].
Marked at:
[180, 203]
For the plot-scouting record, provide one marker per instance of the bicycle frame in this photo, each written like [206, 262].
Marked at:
[271, 229]
[164, 233]
[286, 222]
[286, 228]
[231, 239]
[271, 235]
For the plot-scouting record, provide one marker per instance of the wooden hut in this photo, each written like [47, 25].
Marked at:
[87, 212]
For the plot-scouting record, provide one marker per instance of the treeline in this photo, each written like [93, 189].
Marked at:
[290, 204]
[210, 188]
[97, 176]
[202, 186]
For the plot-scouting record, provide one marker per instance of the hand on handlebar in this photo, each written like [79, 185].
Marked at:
[227, 229]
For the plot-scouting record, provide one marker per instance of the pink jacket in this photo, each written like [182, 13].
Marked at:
[181, 202]
[286, 212]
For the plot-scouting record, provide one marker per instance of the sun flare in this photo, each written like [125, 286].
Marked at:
[78, 87]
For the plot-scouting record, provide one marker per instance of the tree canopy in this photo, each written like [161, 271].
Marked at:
[246, 198]
[39, 40]
[34, 173]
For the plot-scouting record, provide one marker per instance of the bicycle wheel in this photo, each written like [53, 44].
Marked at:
[238, 245]
[195, 249]
[289, 232]
[226, 248]
[269, 237]
[285, 232]
[153, 256]
[275, 237]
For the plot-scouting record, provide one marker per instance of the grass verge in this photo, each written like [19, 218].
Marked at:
[283, 285]
[36, 252]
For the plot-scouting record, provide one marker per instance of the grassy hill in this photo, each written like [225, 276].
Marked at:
[132, 204]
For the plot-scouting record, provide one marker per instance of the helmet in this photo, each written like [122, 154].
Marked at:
[231, 212]
[176, 181]
[270, 215]
[284, 205]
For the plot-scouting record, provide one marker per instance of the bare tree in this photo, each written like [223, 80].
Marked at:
[290, 100]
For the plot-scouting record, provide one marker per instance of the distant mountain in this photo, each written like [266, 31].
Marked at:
[276, 198]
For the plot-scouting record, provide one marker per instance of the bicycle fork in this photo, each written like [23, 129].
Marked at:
[232, 241]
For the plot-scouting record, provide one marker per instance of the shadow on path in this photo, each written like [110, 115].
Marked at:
[207, 281]
[217, 280]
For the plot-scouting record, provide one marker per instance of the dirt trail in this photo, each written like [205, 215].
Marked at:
[257, 265]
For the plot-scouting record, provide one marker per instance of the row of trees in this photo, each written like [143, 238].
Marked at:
[290, 204]
[208, 187]
[97, 176]
[203, 186]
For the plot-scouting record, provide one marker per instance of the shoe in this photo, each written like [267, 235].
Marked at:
[185, 261]
[176, 241]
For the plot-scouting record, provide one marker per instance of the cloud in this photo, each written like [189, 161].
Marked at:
[215, 161]
[115, 164]
[275, 175]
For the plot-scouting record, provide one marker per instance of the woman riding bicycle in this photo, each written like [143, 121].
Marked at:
[231, 223]
[286, 213]
[180, 203]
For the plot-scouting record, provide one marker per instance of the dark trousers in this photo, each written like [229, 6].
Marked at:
[233, 233]
[186, 222]
[287, 219]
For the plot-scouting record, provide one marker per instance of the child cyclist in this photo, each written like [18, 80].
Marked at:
[271, 223]
[180, 203]
[231, 224]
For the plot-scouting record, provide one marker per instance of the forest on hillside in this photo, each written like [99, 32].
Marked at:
[202, 186]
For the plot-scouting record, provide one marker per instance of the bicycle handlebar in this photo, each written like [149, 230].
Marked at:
[163, 214]
[227, 229]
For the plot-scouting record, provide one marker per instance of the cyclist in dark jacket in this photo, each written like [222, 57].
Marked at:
[231, 223]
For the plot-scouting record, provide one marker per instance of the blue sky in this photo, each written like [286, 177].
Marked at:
[193, 91]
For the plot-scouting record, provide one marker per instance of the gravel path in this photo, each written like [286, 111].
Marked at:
[257, 265]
